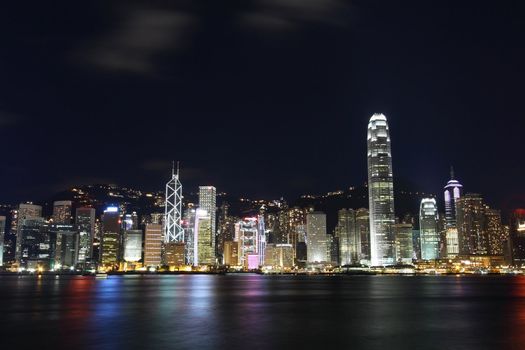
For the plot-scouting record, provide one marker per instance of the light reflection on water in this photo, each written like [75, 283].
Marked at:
[261, 312]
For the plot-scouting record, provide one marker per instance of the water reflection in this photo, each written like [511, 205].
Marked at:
[517, 310]
[261, 312]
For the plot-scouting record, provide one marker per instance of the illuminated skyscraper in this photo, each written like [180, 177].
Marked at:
[453, 191]
[231, 253]
[26, 212]
[404, 243]
[279, 256]
[349, 237]
[85, 223]
[428, 229]
[452, 243]
[35, 243]
[111, 238]
[261, 245]
[66, 240]
[2, 237]
[248, 237]
[174, 254]
[173, 231]
[345, 219]
[188, 224]
[204, 240]
[380, 192]
[472, 236]
[132, 245]
[496, 233]
[316, 238]
[362, 226]
[62, 212]
[517, 236]
[207, 202]
[153, 245]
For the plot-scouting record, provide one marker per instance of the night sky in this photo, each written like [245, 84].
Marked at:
[261, 98]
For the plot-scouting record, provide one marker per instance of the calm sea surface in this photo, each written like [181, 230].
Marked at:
[262, 312]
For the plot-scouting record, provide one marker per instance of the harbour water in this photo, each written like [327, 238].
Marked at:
[262, 312]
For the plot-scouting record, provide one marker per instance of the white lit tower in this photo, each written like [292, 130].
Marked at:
[428, 229]
[261, 245]
[380, 192]
[173, 231]
[453, 191]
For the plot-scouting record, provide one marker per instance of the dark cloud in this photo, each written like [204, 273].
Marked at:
[157, 165]
[135, 42]
[288, 14]
[8, 119]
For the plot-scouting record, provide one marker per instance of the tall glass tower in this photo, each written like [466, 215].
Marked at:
[208, 205]
[380, 192]
[453, 191]
[428, 228]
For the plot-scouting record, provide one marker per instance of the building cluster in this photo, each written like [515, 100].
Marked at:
[273, 236]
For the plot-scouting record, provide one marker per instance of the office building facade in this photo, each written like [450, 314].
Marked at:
[316, 238]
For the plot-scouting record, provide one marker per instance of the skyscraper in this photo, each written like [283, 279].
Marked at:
[188, 224]
[496, 233]
[62, 212]
[207, 202]
[472, 235]
[453, 191]
[404, 243]
[85, 223]
[35, 243]
[2, 237]
[343, 231]
[174, 254]
[452, 242]
[111, 238]
[231, 253]
[153, 245]
[279, 256]
[380, 192]
[174, 233]
[362, 226]
[26, 212]
[132, 246]
[428, 229]
[348, 232]
[316, 238]
[517, 236]
[204, 240]
[66, 239]
[261, 245]
[248, 238]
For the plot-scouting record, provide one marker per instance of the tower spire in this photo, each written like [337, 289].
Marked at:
[451, 172]
[173, 231]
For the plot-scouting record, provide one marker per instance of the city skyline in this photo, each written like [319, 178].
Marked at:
[193, 240]
[262, 174]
